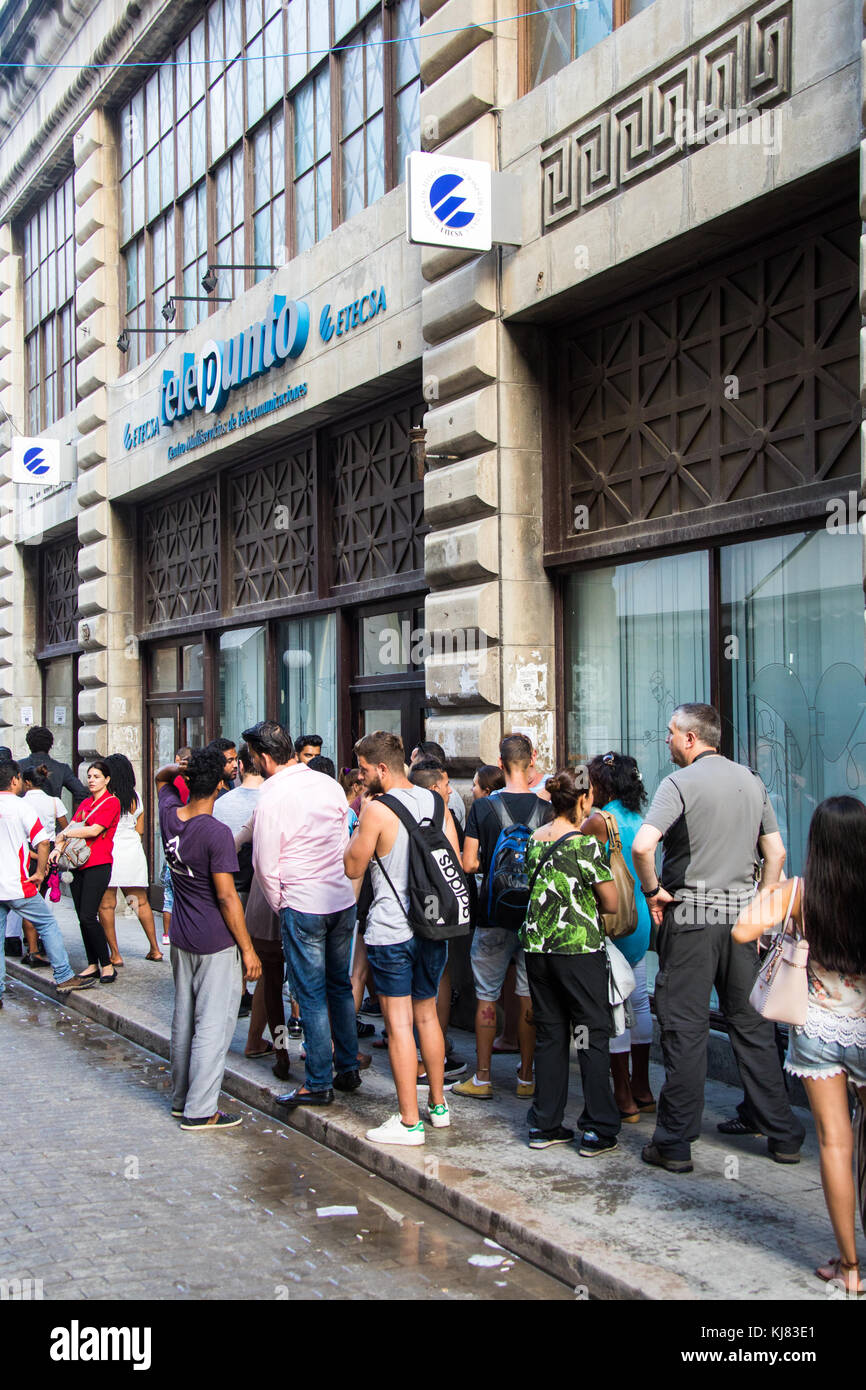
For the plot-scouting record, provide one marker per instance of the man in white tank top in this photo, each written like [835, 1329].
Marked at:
[406, 968]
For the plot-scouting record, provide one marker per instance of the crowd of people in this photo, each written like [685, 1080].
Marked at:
[280, 872]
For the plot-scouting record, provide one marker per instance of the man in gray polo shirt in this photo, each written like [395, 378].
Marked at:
[716, 823]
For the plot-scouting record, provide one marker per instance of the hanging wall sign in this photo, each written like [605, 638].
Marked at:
[449, 201]
[35, 462]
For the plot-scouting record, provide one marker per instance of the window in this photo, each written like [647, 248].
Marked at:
[362, 96]
[637, 642]
[307, 663]
[552, 38]
[229, 247]
[241, 679]
[269, 125]
[789, 685]
[312, 124]
[49, 308]
[269, 193]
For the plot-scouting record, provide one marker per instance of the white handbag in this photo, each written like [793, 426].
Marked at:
[620, 984]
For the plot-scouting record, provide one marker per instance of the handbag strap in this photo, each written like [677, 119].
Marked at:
[86, 818]
[612, 830]
[569, 835]
[787, 920]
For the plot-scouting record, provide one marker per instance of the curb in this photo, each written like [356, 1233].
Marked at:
[565, 1264]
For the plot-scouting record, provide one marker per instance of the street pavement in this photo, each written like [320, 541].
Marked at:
[739, 1227]
[103, 1196]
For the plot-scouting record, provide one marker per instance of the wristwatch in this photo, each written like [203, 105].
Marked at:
[651, 892]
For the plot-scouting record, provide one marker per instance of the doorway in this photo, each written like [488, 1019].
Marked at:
[387, 688]
[175, 718]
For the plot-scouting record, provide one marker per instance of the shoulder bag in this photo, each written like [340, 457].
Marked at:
[781, 989]
[620, 985]
[76, 851]
[624, 921]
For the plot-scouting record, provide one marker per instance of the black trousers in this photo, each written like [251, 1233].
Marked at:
[691, 960]
[88, 886]
[570, 992]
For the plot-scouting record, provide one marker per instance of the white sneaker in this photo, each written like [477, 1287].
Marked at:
[393, 1131]
[166, 940]
[438, 1115]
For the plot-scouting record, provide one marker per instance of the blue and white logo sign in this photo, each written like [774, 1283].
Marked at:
[448, 201]
[35, 462]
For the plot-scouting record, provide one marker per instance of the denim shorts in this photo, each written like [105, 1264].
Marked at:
[816, 1058]
[493, 949]
[411, 967]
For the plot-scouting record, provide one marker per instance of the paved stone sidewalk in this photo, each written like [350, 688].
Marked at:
[103, 1196]
[739, 1227]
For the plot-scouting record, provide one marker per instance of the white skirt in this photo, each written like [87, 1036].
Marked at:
[129, 866]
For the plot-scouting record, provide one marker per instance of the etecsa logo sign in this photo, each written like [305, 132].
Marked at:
[448, 201]
[35, 461]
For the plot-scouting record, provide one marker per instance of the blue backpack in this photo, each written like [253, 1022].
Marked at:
[507, 877]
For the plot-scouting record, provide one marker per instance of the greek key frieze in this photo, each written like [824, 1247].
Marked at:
[697, 97]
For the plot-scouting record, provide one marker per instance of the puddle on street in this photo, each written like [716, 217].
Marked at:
[260, 1212]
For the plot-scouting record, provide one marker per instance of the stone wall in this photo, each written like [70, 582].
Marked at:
[109, 705]
[490, 609]
[20, 686]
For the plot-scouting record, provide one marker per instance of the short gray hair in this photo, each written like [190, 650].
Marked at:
[701, 720]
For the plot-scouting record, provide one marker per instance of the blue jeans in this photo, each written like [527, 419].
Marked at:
[37, 911]
[317, 948]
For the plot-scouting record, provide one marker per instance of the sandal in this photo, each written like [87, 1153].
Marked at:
[836, 1271]
[264, 1051]
[151, 955]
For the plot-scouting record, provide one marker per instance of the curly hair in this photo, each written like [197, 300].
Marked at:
[204, 773]
[616, 777]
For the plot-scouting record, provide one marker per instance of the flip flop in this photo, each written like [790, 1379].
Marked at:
[837, 1272]
[151, 956]
[265, 1052]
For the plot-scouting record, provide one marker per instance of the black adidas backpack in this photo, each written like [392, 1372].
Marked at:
[438, 892]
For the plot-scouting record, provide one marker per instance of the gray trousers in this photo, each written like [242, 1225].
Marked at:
[206, 993]
[691, 960]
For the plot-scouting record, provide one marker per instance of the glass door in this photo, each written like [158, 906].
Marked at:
[387, 686]
[175, 719]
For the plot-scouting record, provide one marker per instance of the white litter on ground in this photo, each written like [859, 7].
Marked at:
[485, 1261]
[336, 1211]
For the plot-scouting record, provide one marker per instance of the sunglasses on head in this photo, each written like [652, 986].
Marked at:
[609, 758]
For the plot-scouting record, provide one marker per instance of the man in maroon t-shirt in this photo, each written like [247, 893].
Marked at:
[211, 951]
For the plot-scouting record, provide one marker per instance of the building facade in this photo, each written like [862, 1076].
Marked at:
[316, 473]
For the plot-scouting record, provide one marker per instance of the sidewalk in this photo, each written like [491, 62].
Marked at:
[739, 1227]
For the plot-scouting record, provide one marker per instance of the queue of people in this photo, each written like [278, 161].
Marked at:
[335, 884]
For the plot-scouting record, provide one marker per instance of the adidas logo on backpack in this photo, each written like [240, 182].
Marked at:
[438, 892]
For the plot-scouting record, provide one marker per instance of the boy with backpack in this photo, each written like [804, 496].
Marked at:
[406, 836]
[498, 831]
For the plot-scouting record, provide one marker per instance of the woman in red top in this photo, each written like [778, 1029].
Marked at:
[95, 820]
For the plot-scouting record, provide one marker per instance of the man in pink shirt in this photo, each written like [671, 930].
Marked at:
[300, 833]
